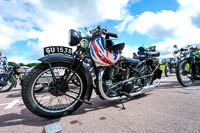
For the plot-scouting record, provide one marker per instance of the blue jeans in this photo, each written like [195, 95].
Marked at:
[1, 79]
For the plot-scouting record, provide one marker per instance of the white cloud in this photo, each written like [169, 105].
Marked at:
[124, 24]
[179, 27]
[48, 21]
[128, 50]
[89, 11]
[192, 5]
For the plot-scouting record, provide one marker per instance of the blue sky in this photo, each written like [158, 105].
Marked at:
[26, 26]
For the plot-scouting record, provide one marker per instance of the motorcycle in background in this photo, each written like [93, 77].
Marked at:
[8, 79]
[67, 79]
[171, 63]
[170, 66]
[188, 68]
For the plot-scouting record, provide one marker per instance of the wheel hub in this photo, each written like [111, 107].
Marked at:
[56, 90]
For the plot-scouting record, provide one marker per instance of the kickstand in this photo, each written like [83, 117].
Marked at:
[123, 107]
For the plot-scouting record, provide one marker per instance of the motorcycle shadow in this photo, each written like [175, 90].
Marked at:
[174, 85]
[13, 90]
[169, 85]
[24, 118]
[102, 104]
[14, 95]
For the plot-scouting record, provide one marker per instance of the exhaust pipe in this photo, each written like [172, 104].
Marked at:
[142, 91]
[151, 87]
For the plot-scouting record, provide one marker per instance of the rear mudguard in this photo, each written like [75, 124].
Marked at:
[185, 58]
[68, 59]
[15, 81]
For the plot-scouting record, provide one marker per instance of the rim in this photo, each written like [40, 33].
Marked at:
[167, 70]
[47, 99]
[4, 88]
[185, 72]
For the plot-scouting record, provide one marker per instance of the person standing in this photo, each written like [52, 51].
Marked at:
[3, 65]
[176, 50]
[135, 55]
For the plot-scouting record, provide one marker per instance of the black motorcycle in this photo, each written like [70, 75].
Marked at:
[8, 80]
[68, 80]
[188, 68]
[170, 66]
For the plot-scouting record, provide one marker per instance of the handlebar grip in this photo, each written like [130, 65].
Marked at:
[94, 31]
[183, 49]
[112, 34]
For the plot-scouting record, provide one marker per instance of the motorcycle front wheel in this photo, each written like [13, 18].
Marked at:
[51, 102]
[183, 73]
[167, 70]
[9, 85]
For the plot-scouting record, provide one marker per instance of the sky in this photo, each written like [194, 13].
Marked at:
[26, 26]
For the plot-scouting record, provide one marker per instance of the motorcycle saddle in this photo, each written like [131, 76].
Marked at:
[154, 54]
[117, 47]
[133, 61]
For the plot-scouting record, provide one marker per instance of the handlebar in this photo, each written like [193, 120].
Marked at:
[93, 31]
[112, 34]
[103, 31]
[183, 49]
[97, 29]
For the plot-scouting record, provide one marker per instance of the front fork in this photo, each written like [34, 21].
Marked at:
[65, 80]
[193, 68]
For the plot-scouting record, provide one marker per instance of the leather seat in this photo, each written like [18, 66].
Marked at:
[154, 54]
[133, 61]
[117, 47]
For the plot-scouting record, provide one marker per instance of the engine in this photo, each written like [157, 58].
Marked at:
[117, 73]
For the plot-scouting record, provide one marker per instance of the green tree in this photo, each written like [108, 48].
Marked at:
[12, 63]
[21, 64]
[32, 64]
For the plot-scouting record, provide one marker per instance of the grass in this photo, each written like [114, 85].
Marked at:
[187, 67]
[162, 67]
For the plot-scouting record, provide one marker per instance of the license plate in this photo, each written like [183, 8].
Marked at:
[57, 50]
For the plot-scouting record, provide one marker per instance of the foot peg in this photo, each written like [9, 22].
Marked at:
[125, 94]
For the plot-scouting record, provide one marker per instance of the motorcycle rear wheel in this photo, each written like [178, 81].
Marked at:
[49, 108]
[183, 73]
[9, 86]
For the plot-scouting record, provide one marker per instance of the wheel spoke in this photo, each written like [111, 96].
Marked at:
[51, 97]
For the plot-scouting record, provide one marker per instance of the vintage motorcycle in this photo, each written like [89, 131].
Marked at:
[188, 70]
[170, 66]
[65, 80]
[171, 63]
[8, 80]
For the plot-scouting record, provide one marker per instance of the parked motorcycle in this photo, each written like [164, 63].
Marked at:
[170, 66]
[188, 70]
[8, 80]
[171, 63]
[68, 79]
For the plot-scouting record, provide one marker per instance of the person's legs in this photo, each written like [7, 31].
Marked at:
[1, 80]
[1, 72]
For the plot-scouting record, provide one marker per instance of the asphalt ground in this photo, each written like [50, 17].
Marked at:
[170, 108]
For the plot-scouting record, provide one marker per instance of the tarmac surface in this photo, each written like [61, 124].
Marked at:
[170, 108]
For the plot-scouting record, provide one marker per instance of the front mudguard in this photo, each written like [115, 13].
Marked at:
[68, 59]
[157, 74]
